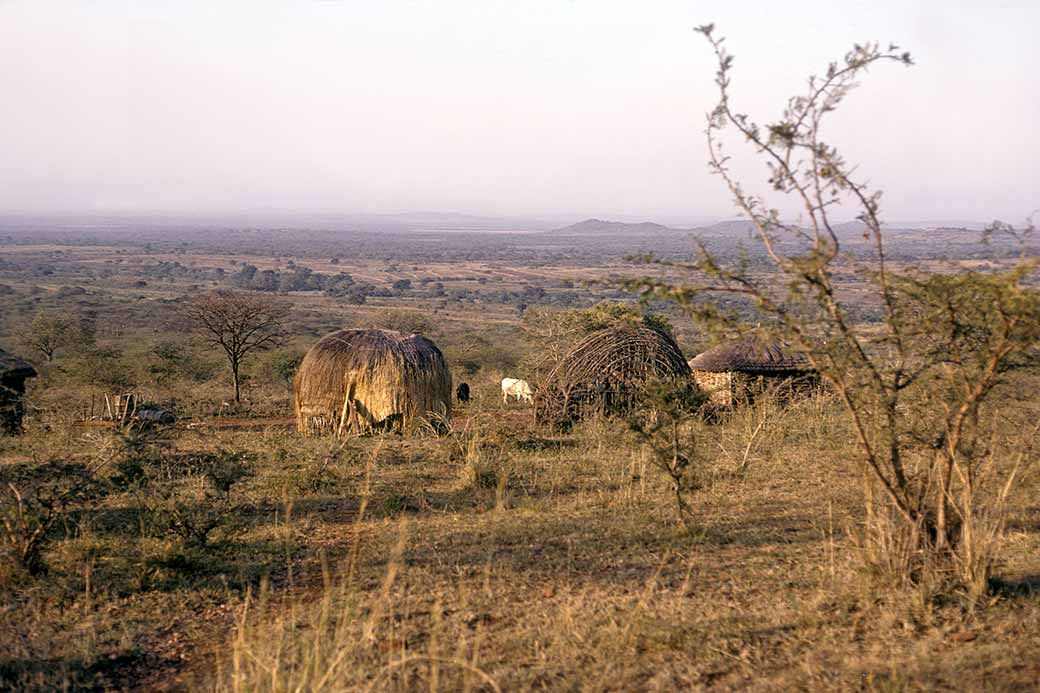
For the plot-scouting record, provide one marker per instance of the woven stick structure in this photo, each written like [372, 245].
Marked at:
[605, 373]
[356, 381]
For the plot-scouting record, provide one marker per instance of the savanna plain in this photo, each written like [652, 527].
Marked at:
[227, 551]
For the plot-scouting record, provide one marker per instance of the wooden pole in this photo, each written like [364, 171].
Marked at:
[343, 416]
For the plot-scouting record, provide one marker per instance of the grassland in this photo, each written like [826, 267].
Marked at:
[501, 556]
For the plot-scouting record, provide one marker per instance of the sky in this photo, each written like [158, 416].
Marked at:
[496, 107]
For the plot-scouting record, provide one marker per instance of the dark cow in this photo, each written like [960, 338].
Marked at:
[462, 392]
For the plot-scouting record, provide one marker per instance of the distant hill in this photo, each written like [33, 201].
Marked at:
[601, 227]
[735, 228]
[850, 228]
[728, 227]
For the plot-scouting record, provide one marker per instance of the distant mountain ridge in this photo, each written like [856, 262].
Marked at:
[404, 222]
[601, 227]
[740, 230]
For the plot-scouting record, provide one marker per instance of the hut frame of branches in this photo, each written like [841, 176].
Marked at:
[606, 373]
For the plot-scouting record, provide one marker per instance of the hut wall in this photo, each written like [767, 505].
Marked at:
[730, 388]
[385, 396]
[718, 386]
[352, 388]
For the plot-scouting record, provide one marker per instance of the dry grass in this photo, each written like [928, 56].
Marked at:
[500, 553]
[505, 555]
[581, 581]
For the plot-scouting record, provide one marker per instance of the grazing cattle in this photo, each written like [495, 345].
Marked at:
[462, 392]
[518, 389]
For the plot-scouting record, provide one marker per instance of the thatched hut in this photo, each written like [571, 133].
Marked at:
[605, 371]
[355, 381]
[735, 371]
[13, 374]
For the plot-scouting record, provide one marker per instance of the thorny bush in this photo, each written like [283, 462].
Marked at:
[916, 386]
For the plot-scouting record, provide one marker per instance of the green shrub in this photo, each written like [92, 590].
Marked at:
[36, 497]
[191, 509]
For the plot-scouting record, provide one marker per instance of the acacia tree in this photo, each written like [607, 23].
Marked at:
[239, 323]
[917, 388]
[52, 332]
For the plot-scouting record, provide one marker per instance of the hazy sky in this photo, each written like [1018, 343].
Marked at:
[494, 107]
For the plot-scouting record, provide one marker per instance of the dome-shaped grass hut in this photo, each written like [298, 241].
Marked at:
[604, 373]
[13, 374]
[735, 371]
[356, 381]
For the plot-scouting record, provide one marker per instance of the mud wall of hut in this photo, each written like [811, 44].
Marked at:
[718, 386]
[730, 388]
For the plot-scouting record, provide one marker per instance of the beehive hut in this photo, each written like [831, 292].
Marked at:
[357, 381]
[604, 373]
[13, 374]
[736, 371]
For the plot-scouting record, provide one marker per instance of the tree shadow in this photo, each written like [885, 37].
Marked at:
[1016, 588]
[540, 444]
[107, 671]
[1027, 521]
[603, 552]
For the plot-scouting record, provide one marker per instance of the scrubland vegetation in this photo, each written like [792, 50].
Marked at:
[227, 551]
[881, 533]
[246, 557]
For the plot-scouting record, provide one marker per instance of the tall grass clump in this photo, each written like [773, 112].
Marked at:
[348, 640]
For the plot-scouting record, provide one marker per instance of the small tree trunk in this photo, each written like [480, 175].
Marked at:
[942, 514]
[234, 377]
[871, 522]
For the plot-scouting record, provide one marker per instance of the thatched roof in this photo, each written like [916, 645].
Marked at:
[13, 367]
[751, 355]
[357, 380]
[604, 372]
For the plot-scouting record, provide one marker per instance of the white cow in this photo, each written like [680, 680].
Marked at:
[516, 388]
